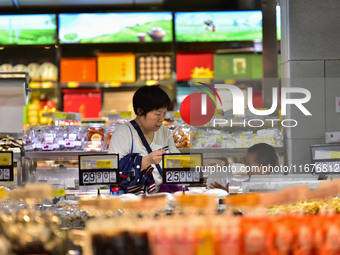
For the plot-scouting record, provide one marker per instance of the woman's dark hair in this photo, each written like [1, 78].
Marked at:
[149, 98]
[264, 154]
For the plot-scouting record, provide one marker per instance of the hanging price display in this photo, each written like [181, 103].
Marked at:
[6, 166]
[98, 169]
[182, 168]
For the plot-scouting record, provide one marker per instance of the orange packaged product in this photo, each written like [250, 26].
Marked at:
[95, 133]
[282, 236]
[255, 239]
[228, 236]
[305, 235]
[78, 70]
[330, 230]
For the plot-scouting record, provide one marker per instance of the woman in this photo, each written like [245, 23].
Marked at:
[140, 169]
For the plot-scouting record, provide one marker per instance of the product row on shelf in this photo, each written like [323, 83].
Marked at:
[169, 223]
[96, 137]
[37, 72]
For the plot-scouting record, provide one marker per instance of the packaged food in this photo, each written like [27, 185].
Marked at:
[95, 133]
[73, 139]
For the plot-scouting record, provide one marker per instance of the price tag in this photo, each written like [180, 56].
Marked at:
[73, 84]
[47, 84]
[151, 82]
[98, 169]
[6, 166]
[3, 192]
[59, 115]
[177, 115]
[4, 160]
[182, 168]
[58, 193]
[115, 84]
[218, 112]
[126, 114]
[34, 85]
[103, 164]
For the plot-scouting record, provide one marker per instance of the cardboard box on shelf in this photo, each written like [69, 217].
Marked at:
[88, 102]
[187, 61]
[78, 69]
[119, 67]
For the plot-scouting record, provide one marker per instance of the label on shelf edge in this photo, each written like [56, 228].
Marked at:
[73, 84]
[58, 193]
[151, 82]
[59, 115]
[177, 114]
[125, 114]
[115, 84]
[47, 84]
[34, 85]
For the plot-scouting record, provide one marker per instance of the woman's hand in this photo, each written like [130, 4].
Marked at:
[154, 157]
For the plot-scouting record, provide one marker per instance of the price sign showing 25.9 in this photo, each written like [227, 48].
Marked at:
[6, 166]
[98, 169]
[182, 168]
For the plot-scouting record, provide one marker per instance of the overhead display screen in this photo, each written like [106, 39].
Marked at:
[115, 27]
[218, 26]
[28, 29]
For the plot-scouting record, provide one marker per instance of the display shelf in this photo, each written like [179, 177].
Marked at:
[43, 84]
[100, 85]
[58, 155]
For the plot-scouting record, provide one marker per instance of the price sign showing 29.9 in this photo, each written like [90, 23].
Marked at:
[6, 166]
[98, 169]
[182, 168]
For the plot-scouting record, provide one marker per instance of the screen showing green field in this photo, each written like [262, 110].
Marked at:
[115, 27]
[218, 26]
[28, 29]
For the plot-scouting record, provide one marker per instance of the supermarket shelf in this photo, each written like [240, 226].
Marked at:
[43, 84]
[58, 155]
[224, 152]
[99, 85]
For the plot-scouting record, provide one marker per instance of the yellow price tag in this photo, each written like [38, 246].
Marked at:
[126, 114]
[151, 82]
[34, 85]
[5, 159]
[115, 84]
[177, 114]
[58, 193]
[218, 112]
[182, 161]
[335, 154]
[229, 81]
[73, 84]
[3, 192]
[47, 84]
[103, 164]
[60, 115]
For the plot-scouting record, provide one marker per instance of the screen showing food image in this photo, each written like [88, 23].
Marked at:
[115, 27]
[218, 26]
[28, 29]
